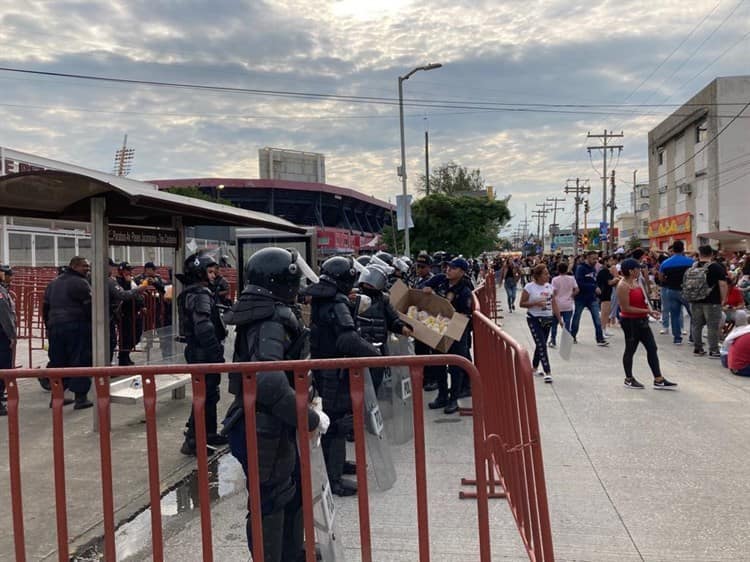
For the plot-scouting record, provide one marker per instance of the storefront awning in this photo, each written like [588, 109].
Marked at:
[727, 236]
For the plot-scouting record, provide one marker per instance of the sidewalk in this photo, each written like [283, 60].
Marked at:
[631, 474]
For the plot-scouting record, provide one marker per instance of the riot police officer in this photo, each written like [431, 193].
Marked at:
[455, 286]
[334, 334]
[7, 332]
[203, 330]
[269, 328]
[380, 317]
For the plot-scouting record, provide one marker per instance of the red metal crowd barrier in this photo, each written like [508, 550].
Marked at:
[511, 426]
[249, 371]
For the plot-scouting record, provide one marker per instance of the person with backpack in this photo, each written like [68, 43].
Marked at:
[671, 273]
[705, 287]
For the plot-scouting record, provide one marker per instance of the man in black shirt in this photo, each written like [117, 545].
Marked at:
[708, 310]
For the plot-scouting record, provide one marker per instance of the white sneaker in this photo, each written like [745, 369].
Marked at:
[663, 331]
[539, 373]
[548, 378]
[608, 334]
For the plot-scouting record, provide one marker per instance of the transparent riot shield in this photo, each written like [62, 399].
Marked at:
[229, 344]
[401, 424]
[160, 347]
[378, 448]
[327, 538]
[385, 395]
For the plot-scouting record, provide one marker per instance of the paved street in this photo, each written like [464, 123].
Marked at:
[631, 474]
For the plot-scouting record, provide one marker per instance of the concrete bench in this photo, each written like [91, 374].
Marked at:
[130, 390]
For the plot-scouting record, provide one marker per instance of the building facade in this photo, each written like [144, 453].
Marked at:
[699, 170]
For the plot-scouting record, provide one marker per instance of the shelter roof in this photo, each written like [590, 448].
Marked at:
[63, 195]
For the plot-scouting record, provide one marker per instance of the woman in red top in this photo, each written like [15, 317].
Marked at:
[634, 313]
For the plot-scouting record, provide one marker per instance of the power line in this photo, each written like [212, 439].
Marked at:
[573, 109]
[707, 144]
[664, 61]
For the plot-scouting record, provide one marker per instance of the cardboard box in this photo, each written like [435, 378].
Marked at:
[402, 298]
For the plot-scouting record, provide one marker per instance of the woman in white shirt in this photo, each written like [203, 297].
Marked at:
[565, 289]
[542, 313]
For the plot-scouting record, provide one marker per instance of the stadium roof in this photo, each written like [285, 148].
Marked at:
[272, 184]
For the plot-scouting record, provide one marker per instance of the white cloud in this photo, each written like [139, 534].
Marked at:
[521, 52]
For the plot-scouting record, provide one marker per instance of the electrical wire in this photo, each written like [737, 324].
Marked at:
[571, 109]
[707, 144]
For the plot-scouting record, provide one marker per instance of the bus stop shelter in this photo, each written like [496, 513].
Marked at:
[119, 208]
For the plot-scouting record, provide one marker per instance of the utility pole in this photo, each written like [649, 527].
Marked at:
[543, 216]
[553, 226]
[585, 220]
[612, 207]
[604, 147]
[426, 159]
[578, 190]
[636, 222]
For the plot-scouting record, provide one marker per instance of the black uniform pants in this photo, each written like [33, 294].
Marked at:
[334, 443]
[70, 346]
[282, 522]
[6, 359]
[432, 373]
[459, 379]
[193, 355]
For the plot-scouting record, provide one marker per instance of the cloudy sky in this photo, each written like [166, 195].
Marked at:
[522, 82]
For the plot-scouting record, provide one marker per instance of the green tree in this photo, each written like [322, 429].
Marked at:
[452, 179]
[457, 224]
[196, 193]
[634, 242]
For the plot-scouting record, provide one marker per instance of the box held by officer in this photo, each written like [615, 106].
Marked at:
[402, 298]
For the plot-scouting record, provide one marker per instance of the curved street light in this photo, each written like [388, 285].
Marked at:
[402, 169]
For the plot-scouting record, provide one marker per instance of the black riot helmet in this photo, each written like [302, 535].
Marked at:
[277, 272]
[196, 267]
[386, 257]
[340, 271]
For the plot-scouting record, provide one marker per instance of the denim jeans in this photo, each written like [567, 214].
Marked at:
[593, 306]
[673, 310]
[665, 307]
[510, 290]
[567, 316]
[540, 327]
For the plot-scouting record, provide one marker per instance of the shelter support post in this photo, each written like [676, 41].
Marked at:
[99, 293]
[179, 260]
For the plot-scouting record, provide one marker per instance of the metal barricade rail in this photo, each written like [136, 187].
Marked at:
[511, 426]
[483, 443]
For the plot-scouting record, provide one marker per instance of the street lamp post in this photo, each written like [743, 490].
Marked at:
[402, 169]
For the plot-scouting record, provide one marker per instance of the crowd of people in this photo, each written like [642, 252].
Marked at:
[632, 290]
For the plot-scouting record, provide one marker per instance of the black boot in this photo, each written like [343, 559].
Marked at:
[216, 440]
[3, 409]
[344, 488]
[451, 406]
[189, 448]
[350, 468]
[440, 402]
[82, 401]
[66, 402]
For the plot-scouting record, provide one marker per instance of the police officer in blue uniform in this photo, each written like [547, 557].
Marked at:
[455, 286]
[334, 334]
[203, 330]
[7, 332]
[269, 328]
